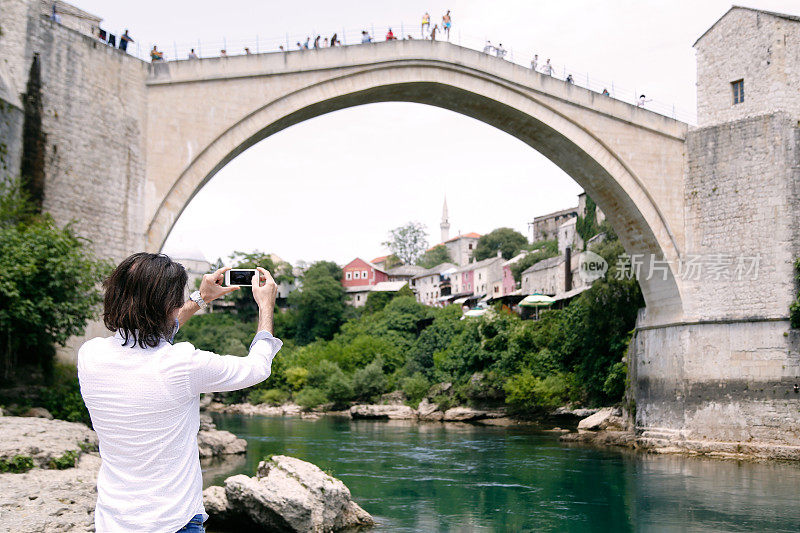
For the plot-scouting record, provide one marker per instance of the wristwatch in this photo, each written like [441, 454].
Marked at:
[196, 298]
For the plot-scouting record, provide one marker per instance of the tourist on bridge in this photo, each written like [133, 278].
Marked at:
[335, 40]
[390, 35]
[426, 23]
[299, 46]
[433, 32]
[325, 43]
[605, 92]
[365, 37]
[500, 51]
[569, 79]
[316, 43]
[247, 51]
[308, 40]
[143, 392]
[124, 39]
[156, 54]
[193, 54]
[548, 68]
[487, 49]
[223, 53]
[535, 62]
[642, 101]
[446, 23]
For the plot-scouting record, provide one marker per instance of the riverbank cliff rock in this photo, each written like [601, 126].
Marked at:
[286, 495]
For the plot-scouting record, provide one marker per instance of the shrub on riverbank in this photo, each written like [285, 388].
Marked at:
[48, 283]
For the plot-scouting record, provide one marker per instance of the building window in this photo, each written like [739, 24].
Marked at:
[738, 91]
[364, 274]
[470, 246]
[358, 298]
[347, 275]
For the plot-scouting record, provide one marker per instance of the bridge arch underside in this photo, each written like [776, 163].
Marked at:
[579, 152]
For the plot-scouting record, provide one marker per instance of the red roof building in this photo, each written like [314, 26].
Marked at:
[359, 272]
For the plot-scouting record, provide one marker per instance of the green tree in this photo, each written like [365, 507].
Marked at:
[48, 283]
[408, 242]
[539, 251]
[435, 256]
[507, 240]
[319, 305]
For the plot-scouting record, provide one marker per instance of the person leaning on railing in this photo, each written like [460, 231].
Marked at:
[143, 391]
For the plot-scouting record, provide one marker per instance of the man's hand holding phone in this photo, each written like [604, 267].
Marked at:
[211, 286]
[265, 290]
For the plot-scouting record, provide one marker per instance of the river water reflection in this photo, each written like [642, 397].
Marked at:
[464, 478]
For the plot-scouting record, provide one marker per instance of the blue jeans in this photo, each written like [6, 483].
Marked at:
[195, 525]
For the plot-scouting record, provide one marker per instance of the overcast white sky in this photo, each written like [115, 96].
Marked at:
[339, 182]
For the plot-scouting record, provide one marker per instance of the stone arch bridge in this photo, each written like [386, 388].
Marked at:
[713, 361]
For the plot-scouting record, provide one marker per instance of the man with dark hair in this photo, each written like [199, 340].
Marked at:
[143, 392]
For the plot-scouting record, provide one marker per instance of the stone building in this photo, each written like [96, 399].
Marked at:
[545, 227]
[748, 64]
[433, 284]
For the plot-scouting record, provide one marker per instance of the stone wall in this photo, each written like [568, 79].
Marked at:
[94, 96]
[760, 48]
[741, 199]
[726, 381]
[728, 371]
[94, 123]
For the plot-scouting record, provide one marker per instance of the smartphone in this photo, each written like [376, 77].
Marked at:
[240, 277]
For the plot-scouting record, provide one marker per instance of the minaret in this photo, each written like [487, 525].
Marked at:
[445, 225]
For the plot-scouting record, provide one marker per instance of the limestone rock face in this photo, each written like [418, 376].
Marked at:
[605, 418]
[286, 495]
[50, 500]
[394, 412]
[43, 440]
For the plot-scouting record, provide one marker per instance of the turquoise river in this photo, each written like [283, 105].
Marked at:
[433, 477]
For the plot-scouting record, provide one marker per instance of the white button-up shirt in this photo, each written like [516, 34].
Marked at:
[144, 405]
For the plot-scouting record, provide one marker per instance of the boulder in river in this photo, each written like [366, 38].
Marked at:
[429, 411]
[605, 418]
[394, 412]
[214, 442]
[286, 495]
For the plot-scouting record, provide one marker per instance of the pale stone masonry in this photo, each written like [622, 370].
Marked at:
[759, 47]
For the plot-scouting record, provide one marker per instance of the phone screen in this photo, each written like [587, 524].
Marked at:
[241, 277]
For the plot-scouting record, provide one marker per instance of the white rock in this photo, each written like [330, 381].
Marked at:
[394, 412]
[604, 418]
[428, 411]
[43, 440]
[463, 414]
[287, 494]
[214, 442]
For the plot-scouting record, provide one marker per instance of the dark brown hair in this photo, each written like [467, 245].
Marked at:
[141, 295]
